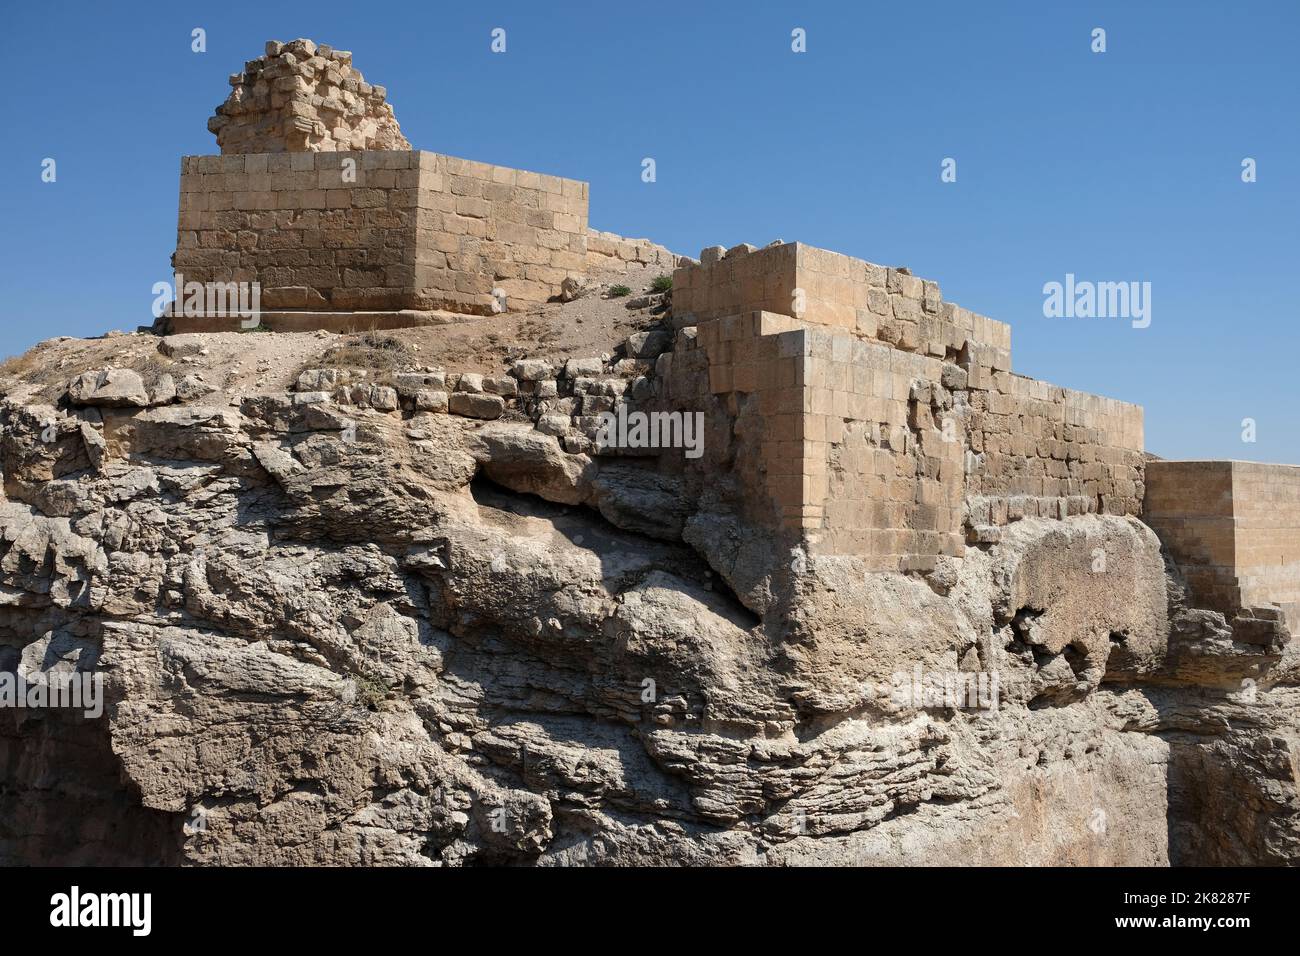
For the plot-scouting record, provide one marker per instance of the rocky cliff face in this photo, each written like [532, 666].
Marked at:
[355, 608]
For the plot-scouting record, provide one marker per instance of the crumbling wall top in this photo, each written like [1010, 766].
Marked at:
[300, 97]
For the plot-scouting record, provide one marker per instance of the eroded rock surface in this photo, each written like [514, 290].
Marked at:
[341, 624]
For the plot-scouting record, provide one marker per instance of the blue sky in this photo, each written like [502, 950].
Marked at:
[1122, 166]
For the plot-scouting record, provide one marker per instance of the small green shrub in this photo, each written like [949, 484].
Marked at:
[618, 291]
[662, 284]
[369, 692]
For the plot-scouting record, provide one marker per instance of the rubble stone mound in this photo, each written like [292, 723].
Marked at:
[300, 97]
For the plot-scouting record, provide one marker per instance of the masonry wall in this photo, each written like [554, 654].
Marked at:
[1266, 503]
[1039, 450]
[888, 423]
[611, 254]
[841, 464]
[415, 230]
[737, 282]
[838, 291]
[290, 222]
[1233, 528]
[479, 227]
[892, 456]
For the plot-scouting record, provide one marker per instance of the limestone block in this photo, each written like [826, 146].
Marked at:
[430, 400]
[111, 387]
[500, 385]
[532, 370]
[474, 405]
[383, 398]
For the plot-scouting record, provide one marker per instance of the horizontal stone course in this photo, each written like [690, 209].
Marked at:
[608, 252]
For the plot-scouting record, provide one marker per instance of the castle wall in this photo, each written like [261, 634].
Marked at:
[885, 454]
[838, 291]
[1189, 505]
[1266, 504]
[611, 254]
[899, 449]
[415, 230]
[1233, 527]
[480, 226]
[1046, 451]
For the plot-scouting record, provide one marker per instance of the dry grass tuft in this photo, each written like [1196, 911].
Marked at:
[381, 355]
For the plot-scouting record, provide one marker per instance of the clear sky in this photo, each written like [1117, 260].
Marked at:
[1115, 166]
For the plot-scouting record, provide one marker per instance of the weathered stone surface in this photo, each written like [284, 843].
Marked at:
[648, 344]
[583, 367]
[428, 400]
[475, 405]
[181, 346]
[383, 398]
[1231, 525]
[111, 387]
[572, 287]
[533, 370]
[296, 98]
[518, 596]
[191, 388]
[409, 384]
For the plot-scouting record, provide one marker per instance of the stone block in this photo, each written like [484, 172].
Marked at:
[476, 405]
[430, 400]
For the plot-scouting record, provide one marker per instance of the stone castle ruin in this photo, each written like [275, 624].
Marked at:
[319, 199]
[418, 557]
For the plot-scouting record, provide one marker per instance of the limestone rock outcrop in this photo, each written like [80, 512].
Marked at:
[301, 97]
[339, 623]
